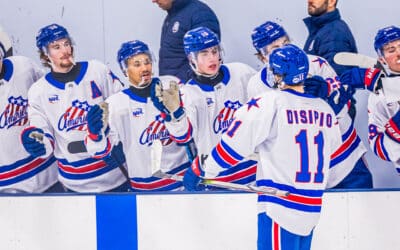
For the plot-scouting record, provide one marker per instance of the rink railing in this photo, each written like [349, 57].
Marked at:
[361, 219]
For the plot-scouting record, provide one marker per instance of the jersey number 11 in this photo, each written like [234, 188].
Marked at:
[304, 175]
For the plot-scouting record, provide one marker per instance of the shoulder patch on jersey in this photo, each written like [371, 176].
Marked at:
[95, 90]
[320, 61]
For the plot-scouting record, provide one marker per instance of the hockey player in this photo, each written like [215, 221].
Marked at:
[269, 36]
[210, 100]
[20, 172]
[383, 113]
[58, 107]
[273, 124]
[135, 122]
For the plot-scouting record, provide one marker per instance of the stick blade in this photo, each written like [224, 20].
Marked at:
[354, 59]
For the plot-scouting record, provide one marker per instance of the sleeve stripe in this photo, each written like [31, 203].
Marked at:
[379, 148]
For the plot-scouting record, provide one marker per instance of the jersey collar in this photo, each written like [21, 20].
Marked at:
[61, 85]
[209, 88]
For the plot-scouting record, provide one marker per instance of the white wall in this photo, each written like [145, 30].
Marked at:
[99, 27]
[179, 221]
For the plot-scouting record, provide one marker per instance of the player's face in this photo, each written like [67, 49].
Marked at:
[163, 4]
[60, 55]
[278, 43]
[208, 61]
[139, 68]
[391, 54]
[319, 7]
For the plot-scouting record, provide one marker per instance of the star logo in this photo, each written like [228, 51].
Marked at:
[253, 102]
[320, 61]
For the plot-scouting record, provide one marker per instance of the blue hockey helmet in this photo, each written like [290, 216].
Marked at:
[290, 62]
[199, 39]
[266, 34]
[130, 49]
[49, 34]
[385, 36]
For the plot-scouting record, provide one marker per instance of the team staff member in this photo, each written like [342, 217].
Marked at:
[183, 15]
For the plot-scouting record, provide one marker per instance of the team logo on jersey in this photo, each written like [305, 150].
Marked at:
[209, 101]
[155, 131]
[175, 27]
[15, 113]
[137, 112]
[53, 99]
[225, 116]
[74, 118]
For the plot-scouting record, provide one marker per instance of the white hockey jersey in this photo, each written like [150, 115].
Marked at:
[210, 110]
[352, 148]
[135, 122]
[294, 134]
[19, 171]
[379, 113]
[60, 110]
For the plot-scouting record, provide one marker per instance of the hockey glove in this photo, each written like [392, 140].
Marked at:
[32, 140]
[96, 120]
[393, 127]
[317, 86]
[192, 179]
[166, 97]
[116, 157]
[339, 98]
[363, 78]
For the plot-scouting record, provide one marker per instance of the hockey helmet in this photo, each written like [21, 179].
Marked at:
[130, 49]
[266, 34]
[49, 34]
[199, 39]
[290, 62]
[385, 36]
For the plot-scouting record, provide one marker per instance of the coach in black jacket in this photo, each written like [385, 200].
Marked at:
[183, 15]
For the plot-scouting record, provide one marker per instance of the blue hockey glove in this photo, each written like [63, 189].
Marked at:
[363, 78]
[31, 141]
[316, 86]
[393, 127]
[192, 179]
[95, 122]
[117, 156]
[166, 97]
[339, 98]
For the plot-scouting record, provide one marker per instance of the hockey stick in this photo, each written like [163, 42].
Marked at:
[389, 85]
[229, 185]
[354, 59]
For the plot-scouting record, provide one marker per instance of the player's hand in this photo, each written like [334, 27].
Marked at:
[96, 120]
[363, 78]
[317, 86]
[166, 97]
[116, 157]
[192, 179]
[32, 140]
[339, 98]
[392, 128]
